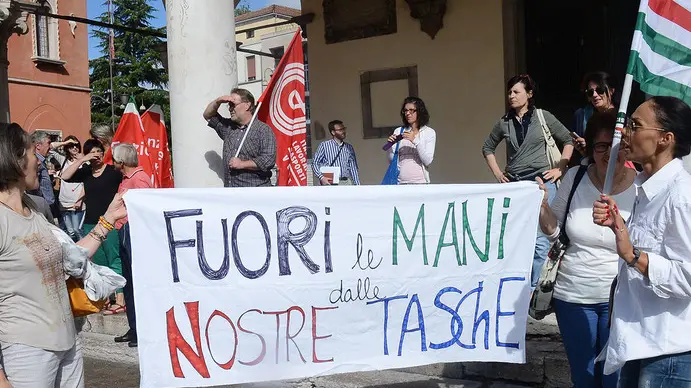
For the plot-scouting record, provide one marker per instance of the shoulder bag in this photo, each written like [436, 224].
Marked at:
[551, 149]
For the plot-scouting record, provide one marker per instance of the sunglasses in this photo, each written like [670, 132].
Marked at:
[404, 111]
[599, 90]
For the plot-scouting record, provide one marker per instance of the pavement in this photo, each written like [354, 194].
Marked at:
[108, 364]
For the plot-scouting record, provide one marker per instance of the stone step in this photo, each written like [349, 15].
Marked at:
[546, 364]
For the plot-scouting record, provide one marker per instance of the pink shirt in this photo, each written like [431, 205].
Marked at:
[138, 179]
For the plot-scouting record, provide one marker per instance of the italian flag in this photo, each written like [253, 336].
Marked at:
[661, 49]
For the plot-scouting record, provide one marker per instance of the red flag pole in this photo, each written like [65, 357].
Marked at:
[254, 117]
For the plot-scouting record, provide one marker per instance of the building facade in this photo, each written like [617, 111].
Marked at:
[48, 73]
[254, 71]
[365, 57]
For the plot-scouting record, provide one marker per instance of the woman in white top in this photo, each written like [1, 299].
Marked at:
[416, 148]
[72, 194]
[581, 293]
[38, 345]
[651, 321]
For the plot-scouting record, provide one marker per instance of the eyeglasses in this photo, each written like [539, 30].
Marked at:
[602, 146]
[634, 127]
[342, 129]
[411, 111]
[599, 90]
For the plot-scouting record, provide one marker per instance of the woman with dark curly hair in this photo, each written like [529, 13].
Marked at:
[417, 143]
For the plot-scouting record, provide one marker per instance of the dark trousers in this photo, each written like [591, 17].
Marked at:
[126, 259]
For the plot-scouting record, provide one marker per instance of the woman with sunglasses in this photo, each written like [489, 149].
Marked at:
[651, 318]
[581, 293]
[71, 195]
[596, 86]
[526, 150]
[416, 143]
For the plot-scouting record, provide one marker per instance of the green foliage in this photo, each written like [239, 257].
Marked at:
[137, 68]
[242, 8]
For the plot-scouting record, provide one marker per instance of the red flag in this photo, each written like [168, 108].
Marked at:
[157, 146]
[131, 130]
[283, 109]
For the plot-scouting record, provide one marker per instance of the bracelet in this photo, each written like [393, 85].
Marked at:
[102, 221]
[97, 236]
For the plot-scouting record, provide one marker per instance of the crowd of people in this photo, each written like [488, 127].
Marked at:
[624, 283]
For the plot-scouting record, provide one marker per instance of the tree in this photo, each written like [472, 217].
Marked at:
[137, 67]
[242, 8]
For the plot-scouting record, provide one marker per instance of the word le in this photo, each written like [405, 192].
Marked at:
[450, 220]
[285, 237]
[177, 343]
[456, 320]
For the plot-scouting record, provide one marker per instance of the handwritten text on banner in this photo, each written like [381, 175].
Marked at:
[244, 285]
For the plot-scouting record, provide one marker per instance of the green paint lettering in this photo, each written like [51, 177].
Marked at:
[504, 216]
[484, 256]
[450, 214]
[398, 225]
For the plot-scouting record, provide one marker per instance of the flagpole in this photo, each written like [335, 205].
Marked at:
[111, 48]
[254, 116]
[621, 115]
[618, 132]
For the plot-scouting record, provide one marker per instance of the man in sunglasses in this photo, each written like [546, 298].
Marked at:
[252, 167]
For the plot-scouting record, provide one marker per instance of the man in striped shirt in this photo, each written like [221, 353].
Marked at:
[336, 153]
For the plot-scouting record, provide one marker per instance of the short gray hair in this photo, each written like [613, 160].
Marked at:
[39, 136]
[126, 154]
[103, 133]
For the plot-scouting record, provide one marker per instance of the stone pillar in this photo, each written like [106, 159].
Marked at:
[12, 20]
[202, 66]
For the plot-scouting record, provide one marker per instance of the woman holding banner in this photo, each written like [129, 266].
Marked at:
[526, 150]
[416, 143]
[651, 318]
[38, 346]
[581, 292]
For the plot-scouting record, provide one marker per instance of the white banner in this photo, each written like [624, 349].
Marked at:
[246, 285]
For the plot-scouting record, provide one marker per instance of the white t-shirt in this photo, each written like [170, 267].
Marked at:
[590, 262]
[70, 192]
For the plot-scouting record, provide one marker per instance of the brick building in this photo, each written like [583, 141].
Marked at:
[48, 73]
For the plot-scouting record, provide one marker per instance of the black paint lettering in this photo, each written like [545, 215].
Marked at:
[174, 244]
[209, 272]
[249, 274]
[298, 240]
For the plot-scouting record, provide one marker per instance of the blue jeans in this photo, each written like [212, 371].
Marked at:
[542, 243]
[72, 220]
[670, 371]
[584, 331]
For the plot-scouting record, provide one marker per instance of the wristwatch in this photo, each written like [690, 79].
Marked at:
[636, 256]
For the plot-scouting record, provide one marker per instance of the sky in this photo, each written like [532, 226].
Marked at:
[96, 7]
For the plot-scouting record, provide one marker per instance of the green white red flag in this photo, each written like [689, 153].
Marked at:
[661, 49]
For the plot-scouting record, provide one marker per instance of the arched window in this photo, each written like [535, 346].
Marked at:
[43, 34]
[46, 31]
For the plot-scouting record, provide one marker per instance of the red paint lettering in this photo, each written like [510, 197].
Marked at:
[230, 363]
[260, 358]
[177, 343]
[315, 337]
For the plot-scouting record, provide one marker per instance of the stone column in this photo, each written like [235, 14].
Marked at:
[12, 20]
[202, 66]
